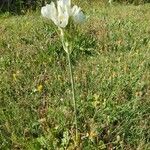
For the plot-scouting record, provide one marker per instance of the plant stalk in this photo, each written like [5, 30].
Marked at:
[73, 96]
[66, 48]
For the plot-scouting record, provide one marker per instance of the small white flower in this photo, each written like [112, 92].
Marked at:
[60, 14]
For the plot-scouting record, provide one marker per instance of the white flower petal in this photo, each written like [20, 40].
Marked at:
[79, 18]
[54, 13]
[45, 12]
[64, 3]
[75, 10]
[68, 5]
[77, 14]
[67, 2]
[63, 16]
[49, 11]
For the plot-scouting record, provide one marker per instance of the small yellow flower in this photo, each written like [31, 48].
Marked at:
[15, 75]
[96, 96]
[96, 100]
[92, 135]
[114, 74]
[40, 88]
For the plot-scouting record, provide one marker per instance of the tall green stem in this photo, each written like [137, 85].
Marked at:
[73, 95]
[66, 48]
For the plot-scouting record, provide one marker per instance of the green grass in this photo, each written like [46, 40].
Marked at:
[111, 64]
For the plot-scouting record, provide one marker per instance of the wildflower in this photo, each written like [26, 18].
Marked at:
[61, 13]
[15, 75]
[39, 88]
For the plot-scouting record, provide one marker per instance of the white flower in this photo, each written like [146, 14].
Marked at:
[60, 14]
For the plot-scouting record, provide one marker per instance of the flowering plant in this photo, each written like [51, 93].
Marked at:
[63, 14]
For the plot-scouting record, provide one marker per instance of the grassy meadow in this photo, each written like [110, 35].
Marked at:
[111, 67]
